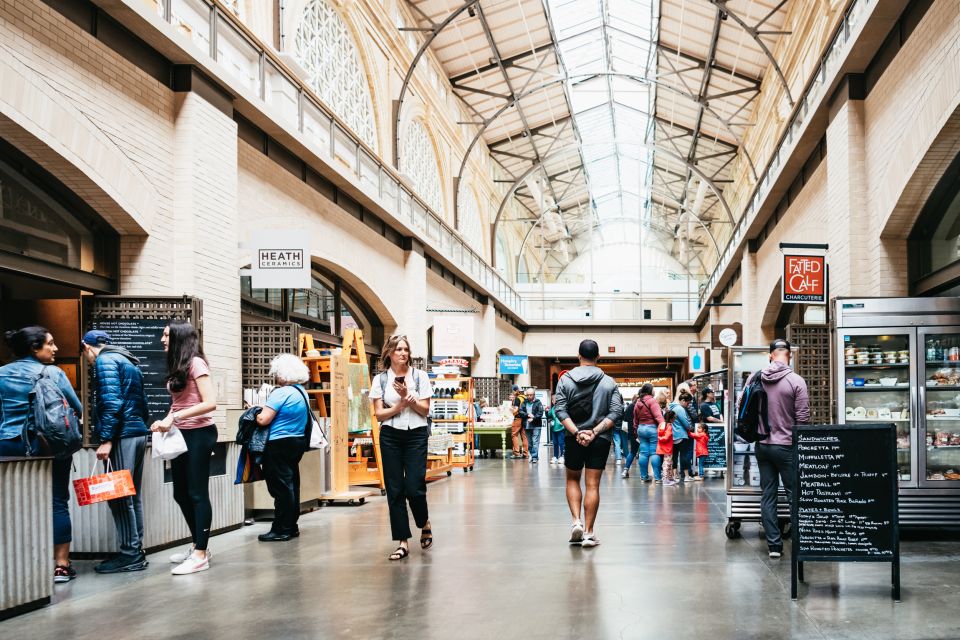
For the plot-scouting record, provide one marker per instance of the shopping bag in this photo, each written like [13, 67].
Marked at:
[248, 470]
[317, 438]
[106, 486]
[167, 445]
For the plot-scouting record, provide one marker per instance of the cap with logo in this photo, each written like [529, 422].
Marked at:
[779, 343]
[96, 337]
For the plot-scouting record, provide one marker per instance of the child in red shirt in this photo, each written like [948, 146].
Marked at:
[700, 437]
[665, 447]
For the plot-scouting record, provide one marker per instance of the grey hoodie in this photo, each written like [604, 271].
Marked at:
[787, 402]
[607, 401]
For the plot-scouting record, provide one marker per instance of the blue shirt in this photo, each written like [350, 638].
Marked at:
[291, 418]
[16, 382]
[681, 424]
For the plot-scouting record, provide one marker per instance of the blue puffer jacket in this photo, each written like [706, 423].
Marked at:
[121, 402]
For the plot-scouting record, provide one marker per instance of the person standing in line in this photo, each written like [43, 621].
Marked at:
[665, 447]
[120, 425]
[556, 432]
[34, 350]
[517, 432]
[701, 448]
[682, 428]
[619, 443]
[787, 405]
[589, 405]
[193, 401]
[663, 399]
[648, 417]
[693, 410]
[630, 435]
[287, 414]
[401, 401]
[531, 414]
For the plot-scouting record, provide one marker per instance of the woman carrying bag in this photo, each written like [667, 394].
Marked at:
[287, 416]
[401, 401]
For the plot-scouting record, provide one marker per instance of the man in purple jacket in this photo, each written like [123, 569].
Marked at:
[787, 405]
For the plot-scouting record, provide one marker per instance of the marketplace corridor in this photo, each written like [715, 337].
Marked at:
[501, 568]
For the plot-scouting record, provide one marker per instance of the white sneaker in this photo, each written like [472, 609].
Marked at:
[191, 565]
[625, 474]
[553, 460]
[775, 554]
[560, 460]
[180, 556]
[589, 540]
[576, 533]
[619, 461]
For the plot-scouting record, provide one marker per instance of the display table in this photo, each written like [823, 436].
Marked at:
[493, 429]
[26, 520]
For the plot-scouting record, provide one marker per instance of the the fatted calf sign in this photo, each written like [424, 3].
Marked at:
[804, 279]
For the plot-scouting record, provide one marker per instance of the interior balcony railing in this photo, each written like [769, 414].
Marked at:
[660, 308]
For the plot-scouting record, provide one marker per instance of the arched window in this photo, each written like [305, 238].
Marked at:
[469, 223]
[419, 161]
[324, 47]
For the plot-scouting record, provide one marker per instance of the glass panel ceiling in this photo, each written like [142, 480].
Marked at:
[605, 47]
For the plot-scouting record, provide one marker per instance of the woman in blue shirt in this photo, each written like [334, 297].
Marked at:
[286, 415]
[682, 427]
[34, 349]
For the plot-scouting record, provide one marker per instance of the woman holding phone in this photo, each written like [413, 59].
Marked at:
[401, 401]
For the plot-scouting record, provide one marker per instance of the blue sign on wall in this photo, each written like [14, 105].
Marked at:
[514, 365]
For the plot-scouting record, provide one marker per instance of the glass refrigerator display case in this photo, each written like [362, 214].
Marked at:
[898, 360]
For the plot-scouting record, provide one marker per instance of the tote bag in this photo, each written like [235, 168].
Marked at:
[167, 445]
[105, 486]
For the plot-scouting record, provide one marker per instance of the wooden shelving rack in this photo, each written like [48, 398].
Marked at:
[449, 413]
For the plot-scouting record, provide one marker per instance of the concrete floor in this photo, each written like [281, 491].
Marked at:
[501, 568]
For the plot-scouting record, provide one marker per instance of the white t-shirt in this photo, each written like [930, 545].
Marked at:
[418, 383]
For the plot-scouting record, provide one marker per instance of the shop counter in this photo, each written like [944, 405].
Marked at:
[26, 534]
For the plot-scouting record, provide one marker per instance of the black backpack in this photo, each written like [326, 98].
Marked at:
[752, 412]
[580, 404]
[52, 418]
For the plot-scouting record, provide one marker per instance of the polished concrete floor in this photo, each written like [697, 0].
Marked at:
[501, 568]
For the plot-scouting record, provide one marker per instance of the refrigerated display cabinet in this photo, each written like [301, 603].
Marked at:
[898, 360]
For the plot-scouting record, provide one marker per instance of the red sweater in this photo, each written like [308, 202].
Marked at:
[665, 439]
[701, 446]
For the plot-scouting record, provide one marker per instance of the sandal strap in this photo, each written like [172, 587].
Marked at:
[400, 553]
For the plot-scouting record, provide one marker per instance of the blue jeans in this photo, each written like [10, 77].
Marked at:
[62, 529]
[556, 438]
[647, 433]
[633, 449]
[619, 443]
[700, 465]
[533, 438]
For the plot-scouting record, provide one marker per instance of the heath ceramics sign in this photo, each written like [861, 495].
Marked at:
[280, 260]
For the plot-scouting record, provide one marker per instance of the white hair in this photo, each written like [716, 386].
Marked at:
[289, 369]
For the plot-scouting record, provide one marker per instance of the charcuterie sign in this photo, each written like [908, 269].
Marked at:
[804, 279]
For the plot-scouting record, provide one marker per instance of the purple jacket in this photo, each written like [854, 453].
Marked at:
[787, 402]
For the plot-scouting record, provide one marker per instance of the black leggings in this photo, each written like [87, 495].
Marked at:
[191, 482]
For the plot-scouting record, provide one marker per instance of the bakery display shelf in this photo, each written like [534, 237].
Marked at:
[943, 418]
[880, 387]
[934, 447]
[886, 365]
[877, 419]
[944, 363]
[943, 387]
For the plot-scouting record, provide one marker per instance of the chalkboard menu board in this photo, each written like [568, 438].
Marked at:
[142, 339]
[845, 503]
[716, 447]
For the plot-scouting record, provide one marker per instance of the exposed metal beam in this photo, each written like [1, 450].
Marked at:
[508, 62]
[703, 63]
[533, 131]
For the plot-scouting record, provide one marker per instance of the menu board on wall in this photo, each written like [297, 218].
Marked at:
[845, 504]
[142, 339]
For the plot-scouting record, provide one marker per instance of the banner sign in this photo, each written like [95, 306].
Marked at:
[697, 360]
[513, 365]
[804, 279]
[463, 363]
[280, 260]
[453, 335]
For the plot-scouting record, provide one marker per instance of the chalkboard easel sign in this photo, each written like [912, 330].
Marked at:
[844, 506]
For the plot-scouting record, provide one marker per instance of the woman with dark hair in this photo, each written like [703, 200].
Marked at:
[35, 349]
[401, 400]
[194, 399]
[648, 418]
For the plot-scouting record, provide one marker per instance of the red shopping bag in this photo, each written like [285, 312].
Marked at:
[103, 487]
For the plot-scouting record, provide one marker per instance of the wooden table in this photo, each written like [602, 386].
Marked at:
[493, 428]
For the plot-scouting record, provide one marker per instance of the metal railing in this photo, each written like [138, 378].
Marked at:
[599, 308]
[813, 94]
[218, 34]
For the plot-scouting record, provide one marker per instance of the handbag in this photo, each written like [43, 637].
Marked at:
[167, 445]
[106, 486]
[317, 438]
[248, 469]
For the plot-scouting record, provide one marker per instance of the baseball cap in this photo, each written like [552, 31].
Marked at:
[779, 343]
[516, 387]
[96, 337]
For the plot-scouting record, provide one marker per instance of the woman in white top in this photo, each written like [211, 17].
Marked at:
[401, 400]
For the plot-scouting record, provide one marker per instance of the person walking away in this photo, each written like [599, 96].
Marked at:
[700, 438]
[630, 435]
[681, 436]
[787, 405]
[120, 425]
[531, 414]
[401, 401]
[665, 447]
[193, 401]
[556, 432]
[648, 417]
[619, 442]
[35, 350]
[589, 405]
[517, 432]
[287, 415]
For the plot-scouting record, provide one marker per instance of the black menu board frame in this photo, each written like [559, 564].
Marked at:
[883, 442]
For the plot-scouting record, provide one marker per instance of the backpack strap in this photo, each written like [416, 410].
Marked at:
[306, 429]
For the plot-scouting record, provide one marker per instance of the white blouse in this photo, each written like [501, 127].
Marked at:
[418, 383]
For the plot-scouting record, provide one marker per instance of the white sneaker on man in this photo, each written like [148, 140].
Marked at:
[560, 460]
[553, 460]
[576, 533]
[191, 565]
[590, 540]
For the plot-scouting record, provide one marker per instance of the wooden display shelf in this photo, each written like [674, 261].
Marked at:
[438, 466]
[465, 461]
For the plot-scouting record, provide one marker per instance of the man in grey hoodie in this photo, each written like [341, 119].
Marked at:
[787, 405]
[589, 405]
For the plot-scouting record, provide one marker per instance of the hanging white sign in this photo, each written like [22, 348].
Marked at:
[280, 260]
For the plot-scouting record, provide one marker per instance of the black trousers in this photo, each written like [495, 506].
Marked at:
[281, 470]
[775, 462]
[404, 458]
[191, 482]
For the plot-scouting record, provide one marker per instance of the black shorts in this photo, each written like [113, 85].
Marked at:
[593, 456]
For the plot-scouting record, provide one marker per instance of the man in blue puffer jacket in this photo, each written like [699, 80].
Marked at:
[120, 424]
